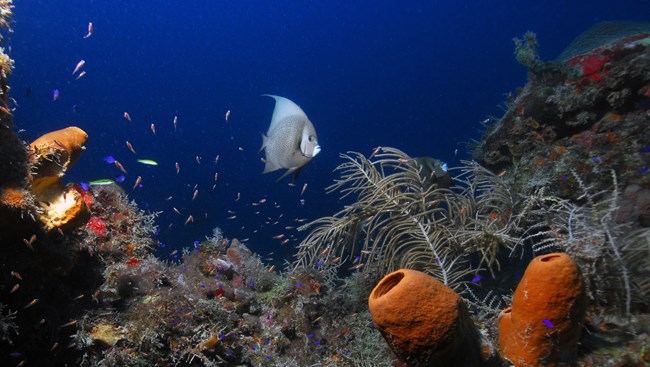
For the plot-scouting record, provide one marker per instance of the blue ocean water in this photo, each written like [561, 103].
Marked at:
[419, 76]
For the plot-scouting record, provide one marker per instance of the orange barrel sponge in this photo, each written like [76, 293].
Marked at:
[51, 156]
[424, 322]
[55, 152]
[542, 328]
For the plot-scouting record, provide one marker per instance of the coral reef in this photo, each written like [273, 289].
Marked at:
[544, 323]
[424, 322]
[563, 171]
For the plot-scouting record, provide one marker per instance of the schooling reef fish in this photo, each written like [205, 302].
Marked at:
[291, 140]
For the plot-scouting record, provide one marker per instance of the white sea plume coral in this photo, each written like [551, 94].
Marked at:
[399, 222]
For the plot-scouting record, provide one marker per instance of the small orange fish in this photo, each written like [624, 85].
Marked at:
[29, 242]
[178, 168]
[238, 196]
[196, 193]
[502, 173]
[175, 122]
[241, 149]
[120, 166]
[14, 288]
[232, 217]
[284, 242]
[216, 176]
[91, 28]
[262, 201]
[32, 303]
[128, 145]
[137, 182]
[176, 211]
[190, 219]
[81, 75]
[227, 115]
[198, 159]
[304, 188]
[71, 323]
[279, 237]
[127, 116]
[16, 275]
[54, 346]
[153, 128]
[404, 160]
[216, 159]
[80, 65]
[356, 267]
[374, 152]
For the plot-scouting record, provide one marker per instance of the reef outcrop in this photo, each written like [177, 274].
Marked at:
[585, 112]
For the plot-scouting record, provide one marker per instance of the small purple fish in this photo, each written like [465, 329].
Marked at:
[120, 178]
[84, 185]
[643, 169]
[476, 279]
[55, 94]
[548, 323]
[109, 159]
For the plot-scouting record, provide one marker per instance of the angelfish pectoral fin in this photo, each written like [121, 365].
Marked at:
[264, 140]
[295, 171]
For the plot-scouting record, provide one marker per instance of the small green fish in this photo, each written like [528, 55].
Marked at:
[150, 162]
[101, 182]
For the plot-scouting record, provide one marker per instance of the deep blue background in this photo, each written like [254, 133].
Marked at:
[416, 75]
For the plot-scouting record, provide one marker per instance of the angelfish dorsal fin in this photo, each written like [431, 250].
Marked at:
[283, 108]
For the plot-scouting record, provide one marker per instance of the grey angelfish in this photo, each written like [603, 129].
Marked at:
[291, 140]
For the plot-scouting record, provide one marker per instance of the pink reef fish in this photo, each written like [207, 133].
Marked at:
[80, 65]
[91, 28]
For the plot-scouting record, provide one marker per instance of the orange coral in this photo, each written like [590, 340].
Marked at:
[14, 198]
[424, 321]
[542, 328]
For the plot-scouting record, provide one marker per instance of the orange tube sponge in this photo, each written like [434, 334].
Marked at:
[542, 328]
[424, 322]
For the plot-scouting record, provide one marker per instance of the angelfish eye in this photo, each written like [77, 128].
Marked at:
[311, 138]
